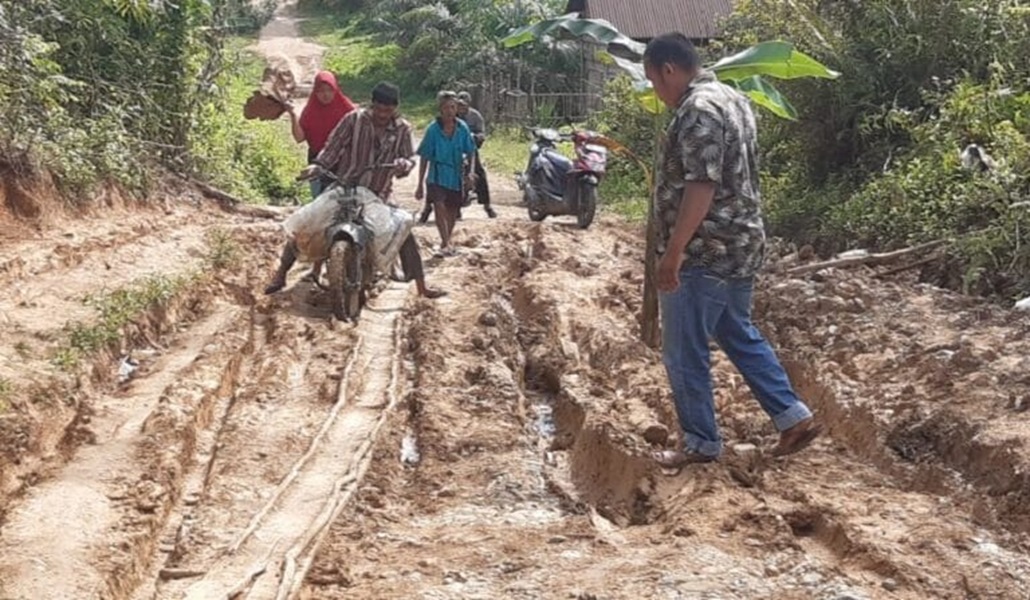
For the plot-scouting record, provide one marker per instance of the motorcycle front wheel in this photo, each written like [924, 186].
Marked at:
[344, 270]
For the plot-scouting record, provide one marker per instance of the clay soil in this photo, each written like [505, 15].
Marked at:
[491, 444]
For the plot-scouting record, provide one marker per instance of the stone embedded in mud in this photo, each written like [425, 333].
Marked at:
[744, 449]
[890, 585]
[488, 319]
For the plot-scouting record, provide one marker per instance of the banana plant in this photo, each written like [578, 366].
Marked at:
[747, 71]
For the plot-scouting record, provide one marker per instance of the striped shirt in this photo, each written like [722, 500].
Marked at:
[356, 144]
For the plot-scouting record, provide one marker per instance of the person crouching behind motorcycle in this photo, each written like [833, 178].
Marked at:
[364, 138]
[444, 149]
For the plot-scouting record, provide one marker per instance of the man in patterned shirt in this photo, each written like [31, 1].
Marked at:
[364, 138]
[711, 243]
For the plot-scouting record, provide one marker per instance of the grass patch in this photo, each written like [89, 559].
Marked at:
[116, 310]
[360, 62]
[255, 160]
[223, 250]
[505, 152]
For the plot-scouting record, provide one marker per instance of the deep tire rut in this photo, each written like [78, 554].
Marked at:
[50, 539]
[262, 545]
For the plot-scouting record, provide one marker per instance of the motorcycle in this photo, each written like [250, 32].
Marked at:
[552, 184]
[355, 233]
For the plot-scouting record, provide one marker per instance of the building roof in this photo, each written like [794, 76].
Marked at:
[645, 19]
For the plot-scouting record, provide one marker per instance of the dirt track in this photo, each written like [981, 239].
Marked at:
[489, 445]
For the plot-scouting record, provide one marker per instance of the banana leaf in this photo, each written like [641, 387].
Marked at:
[762, 93]
[571, 26]
[771, 59]
[746, 70]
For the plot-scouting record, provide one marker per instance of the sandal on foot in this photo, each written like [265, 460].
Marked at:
[797, 438]
[274, 287]
[675, 460]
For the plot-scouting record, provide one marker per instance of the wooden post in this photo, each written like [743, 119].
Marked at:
[650, 323]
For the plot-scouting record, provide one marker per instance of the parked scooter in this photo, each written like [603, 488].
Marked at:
[555, 185]
[356, 233]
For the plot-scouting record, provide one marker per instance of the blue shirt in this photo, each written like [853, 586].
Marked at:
[446, 154]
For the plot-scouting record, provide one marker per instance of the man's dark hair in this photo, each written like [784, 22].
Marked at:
[386, 93]
[672, 48]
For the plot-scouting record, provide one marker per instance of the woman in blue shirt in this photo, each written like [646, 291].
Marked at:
[445, 147]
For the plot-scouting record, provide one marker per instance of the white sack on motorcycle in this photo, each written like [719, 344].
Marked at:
[389, 226]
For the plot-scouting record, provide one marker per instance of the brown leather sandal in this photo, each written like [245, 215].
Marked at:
[675, 460]
[797, 438]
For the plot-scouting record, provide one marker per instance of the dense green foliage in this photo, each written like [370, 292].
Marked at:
[874, 160]
[255, 160]
[98, 90]
[457, 42]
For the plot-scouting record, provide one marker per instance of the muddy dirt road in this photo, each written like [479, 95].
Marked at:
[492, 444]
[168, 432]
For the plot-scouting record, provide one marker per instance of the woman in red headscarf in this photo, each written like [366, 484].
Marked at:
[325, 109]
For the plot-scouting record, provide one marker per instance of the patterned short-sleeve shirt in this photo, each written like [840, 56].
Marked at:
[713, 138]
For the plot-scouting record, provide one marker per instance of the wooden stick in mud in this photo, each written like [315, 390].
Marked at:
[341, 400]
[231, 203]
[909, 266]
[868, 259]
[240, 589]
[213, 192]
[172, 574]
[289, 587]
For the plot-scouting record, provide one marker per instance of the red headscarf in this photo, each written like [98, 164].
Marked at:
[318, 120]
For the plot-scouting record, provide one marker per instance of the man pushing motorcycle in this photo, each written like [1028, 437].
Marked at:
[367, 137]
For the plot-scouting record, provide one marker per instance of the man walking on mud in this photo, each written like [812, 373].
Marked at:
[364, 138]
[711, 243]
[477, 125]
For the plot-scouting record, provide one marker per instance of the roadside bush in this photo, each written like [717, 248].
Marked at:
[97, 90]
[625, 188]
[874, 159]
[254, 160]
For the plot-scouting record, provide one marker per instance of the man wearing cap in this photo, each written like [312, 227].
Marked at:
[368, 136]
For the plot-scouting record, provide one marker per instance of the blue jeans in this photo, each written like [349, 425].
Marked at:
[707, 306]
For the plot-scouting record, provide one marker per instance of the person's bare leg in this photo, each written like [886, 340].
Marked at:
[453, 217]
[427, 210]
[443, 223]
[314, 273]
[289, 256]
[411, 262]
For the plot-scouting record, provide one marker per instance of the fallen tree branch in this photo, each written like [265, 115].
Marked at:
[172, 574]
[230, 203]
[868, 259]
[909, 266]
[299, 465]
